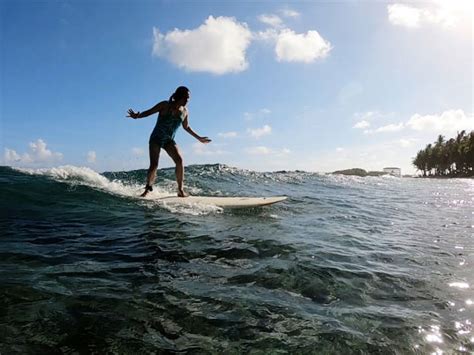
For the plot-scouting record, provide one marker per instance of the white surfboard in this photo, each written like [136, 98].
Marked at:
[225, 202]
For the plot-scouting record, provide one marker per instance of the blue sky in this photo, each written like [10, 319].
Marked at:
[315, 86]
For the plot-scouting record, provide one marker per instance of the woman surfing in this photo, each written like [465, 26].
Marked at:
[171, 114]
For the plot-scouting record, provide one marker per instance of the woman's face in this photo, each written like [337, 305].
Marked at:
[184, 100]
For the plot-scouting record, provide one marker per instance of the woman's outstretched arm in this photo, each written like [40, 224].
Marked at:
[157, 108]
[194, 134]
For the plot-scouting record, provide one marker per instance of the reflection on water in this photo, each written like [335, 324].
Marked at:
[459, 284]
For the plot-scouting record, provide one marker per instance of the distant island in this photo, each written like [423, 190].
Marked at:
[447, 158]
[359, 172]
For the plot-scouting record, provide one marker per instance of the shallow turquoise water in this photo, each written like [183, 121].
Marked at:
[345, 265]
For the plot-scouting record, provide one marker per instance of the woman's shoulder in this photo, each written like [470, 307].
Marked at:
[163, 106]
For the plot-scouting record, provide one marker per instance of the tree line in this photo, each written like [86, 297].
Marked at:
[453, 157]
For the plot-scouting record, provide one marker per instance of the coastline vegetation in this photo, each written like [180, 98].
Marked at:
[447, 158]
[359, 172]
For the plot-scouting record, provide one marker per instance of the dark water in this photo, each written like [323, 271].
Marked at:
[345, 265]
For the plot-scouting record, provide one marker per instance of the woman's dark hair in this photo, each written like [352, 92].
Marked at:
[179, 93]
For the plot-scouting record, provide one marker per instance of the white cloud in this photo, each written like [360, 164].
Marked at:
[259, 150]
[270, 35]
[41, 153]
[414, 17]
[11, 156]
[407, 142]
[259, 132]
[448, 122]
[91, 157]
[217, 46]
[230, 134]
[391, 128]
[38, 154]
[367, 116]
[301, 47]
[265, 111]
[289, 13]
[339, 149]
[138, 151]
[362, 124]
[271, 20]
[404, 15]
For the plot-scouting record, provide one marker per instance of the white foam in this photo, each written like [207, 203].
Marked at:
[74, 175]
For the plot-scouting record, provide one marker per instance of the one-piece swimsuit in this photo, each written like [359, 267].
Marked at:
[166, 127]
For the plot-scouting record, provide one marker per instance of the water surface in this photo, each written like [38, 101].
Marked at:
[345, 265]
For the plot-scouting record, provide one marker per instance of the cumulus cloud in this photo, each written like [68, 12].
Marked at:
[448, 122]
[289, 13]
[301, 47]
[391, 127]
[230, 134]
[407, 142]
[271, 20]
[362, 124]
[404, 15]
[38, 154]
[217, 46]
[259, 132]
[91, 157]
[11, 156]
[414, 17]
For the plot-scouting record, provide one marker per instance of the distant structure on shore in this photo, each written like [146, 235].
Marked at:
[393, 171]
[361, 172]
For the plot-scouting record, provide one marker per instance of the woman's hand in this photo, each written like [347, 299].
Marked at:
[132, 114]
[204, 140]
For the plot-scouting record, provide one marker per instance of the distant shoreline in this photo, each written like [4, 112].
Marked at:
[363, 173]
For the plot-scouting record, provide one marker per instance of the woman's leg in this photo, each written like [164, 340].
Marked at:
[174, 153]
[154, 156]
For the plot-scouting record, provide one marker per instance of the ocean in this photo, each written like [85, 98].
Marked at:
[345, 265]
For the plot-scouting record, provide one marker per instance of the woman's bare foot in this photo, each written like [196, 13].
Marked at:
[148, 188]
[181, 193]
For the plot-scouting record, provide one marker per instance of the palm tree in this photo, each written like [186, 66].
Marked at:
[438, 155]
[450, 154]
[453, 157]
[458, 158]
